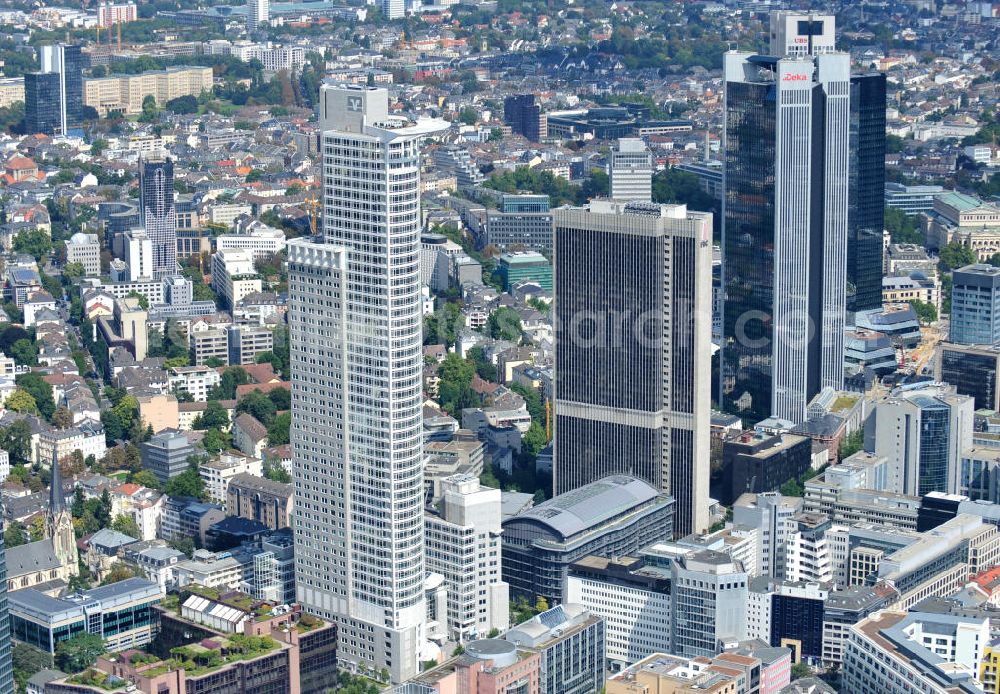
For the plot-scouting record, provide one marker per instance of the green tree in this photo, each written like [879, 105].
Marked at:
[150, 113]
[926, 312]
[79, 653]
[274, 471]
[504, 324]
[24, 352]
[188, 483]
[468, 116]
[279, 431]
[215, 416]
[231, 378]
[259, 405]
[281, 397]
[73, 271]
[28, 661]
[15, 438]
[851, 444]
[35, 243]
[532, 400]
[15, 534]
[455, 392]
[442, 326]
[792, 488]
[534, 440]
[800, 670]
[21, 401]
[955, 255]
[145, 478]
[114, 429]
[903, 228]
[127, 525]
[216, 440]
[35, 385]
[182, 104]
[120, 571]
[484, 367]
[102, 513]
[12, 334]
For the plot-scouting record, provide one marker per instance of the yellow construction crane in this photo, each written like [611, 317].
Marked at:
[312, 204]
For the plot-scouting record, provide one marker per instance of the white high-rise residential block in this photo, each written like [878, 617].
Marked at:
[258, 13]
[463, 545]
[630, 170]
[356, 363]
[138, 255]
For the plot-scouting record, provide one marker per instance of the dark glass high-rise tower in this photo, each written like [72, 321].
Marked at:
[866, 196]
[67, 62]
[784, 231]
[42, 105]
[158, 212]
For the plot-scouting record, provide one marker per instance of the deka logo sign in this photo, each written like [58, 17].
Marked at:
[794, 77]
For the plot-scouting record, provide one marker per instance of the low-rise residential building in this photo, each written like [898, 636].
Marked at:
[209, 345]
[260, 499]
[209, 570]
[196, 381]
[245, 342]
[249, 435]
[219, 472]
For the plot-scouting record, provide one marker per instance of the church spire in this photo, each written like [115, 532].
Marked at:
[57, 500]
[59, 522]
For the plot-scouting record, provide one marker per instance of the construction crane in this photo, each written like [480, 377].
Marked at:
[312, 204]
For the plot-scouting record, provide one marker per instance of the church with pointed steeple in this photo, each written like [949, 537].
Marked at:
[48, 564]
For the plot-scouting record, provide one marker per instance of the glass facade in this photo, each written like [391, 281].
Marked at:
[159, 214]
[935, 430]
[866, 200]
[784, 232]
[73, 63]
[748, 249]
[975, 306]
[972, 374]
[42, 110]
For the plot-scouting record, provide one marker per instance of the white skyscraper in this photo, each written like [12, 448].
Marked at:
[630, 170]
[138, 255]
[463, 545]
[258, 13]
[356, 386]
